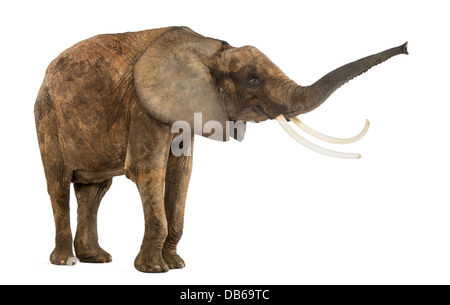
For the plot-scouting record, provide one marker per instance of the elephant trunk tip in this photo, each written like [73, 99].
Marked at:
[405, 48]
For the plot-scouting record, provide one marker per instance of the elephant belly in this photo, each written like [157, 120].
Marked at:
[86, 176]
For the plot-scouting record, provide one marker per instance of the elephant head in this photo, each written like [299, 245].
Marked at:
[184, 73]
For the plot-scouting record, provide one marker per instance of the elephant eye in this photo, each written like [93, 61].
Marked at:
[254, 81]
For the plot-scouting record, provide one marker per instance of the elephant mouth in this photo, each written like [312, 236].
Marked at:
[253, 113]
[260, 111]
[300, 139]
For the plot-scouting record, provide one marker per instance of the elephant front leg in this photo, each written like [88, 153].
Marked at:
[146, 163]
[178, 174]
[150, 257]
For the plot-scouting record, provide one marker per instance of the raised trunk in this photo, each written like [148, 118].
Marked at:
[305, 99]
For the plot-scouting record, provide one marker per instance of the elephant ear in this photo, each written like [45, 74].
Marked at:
[173, 83]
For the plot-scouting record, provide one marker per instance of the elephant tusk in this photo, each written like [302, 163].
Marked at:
[329, 139]
[285, 125]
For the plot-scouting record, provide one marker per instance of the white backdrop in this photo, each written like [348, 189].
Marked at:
[264, 211]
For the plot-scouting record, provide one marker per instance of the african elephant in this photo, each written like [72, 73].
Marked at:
[106, 108]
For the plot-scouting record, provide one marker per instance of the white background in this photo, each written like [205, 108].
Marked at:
[267, 210]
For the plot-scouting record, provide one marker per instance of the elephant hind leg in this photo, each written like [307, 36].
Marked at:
[58, 186]
[59, 197]
[86, 238]
[63, 253]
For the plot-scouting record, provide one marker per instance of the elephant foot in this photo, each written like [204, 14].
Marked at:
[173, 260]
[63, 257]
[93, 255]
[150, 262]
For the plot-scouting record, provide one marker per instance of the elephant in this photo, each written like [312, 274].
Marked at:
[108, 106]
